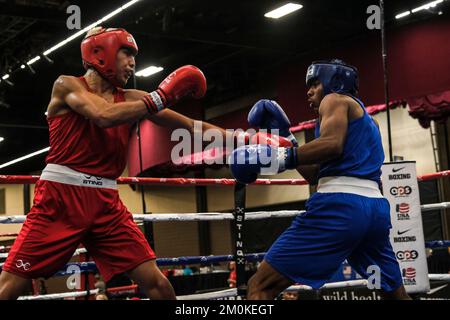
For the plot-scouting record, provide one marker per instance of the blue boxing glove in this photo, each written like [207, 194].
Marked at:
[248, 161]
[267, 114]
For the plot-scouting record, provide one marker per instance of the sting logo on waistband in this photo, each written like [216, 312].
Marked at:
[90, 181]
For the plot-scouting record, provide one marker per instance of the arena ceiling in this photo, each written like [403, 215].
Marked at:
[231, 41]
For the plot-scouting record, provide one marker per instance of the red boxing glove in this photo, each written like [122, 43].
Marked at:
[183, 82]
[244, 138]
[270, 139]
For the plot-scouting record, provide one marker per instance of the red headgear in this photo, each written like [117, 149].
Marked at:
[99, 51]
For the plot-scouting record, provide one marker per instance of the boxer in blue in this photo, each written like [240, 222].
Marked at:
[347, 218]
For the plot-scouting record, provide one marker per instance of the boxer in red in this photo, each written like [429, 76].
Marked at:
[76, 200]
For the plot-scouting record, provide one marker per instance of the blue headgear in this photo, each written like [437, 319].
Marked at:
[334, 75]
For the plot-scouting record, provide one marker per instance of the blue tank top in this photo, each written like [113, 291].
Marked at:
[363, 153]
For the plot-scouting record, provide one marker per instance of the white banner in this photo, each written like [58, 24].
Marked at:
[401, 189]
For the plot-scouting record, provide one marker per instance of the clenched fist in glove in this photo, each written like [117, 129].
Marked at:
[267, 114]
[187, 81]
[248, 161]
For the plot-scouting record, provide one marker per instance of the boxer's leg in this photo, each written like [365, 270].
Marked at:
[117, 245]
[266, 283]
[311, 250]
[152, 282]
[12, 286]
[47, 240]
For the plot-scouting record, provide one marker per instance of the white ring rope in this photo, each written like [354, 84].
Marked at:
[218, 216]
[76, 253]
[230, 292]
[439, 277]
[210, 295]
[434, 206]
[205, 216]
[215, 216]
[53, 296]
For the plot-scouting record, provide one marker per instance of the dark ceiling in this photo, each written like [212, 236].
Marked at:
[231, 41]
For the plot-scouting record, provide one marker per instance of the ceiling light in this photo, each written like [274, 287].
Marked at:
[1, 139]
[403, 14]
[147, 72]
[33, 60]
[24, 157]
[427, 6]
[83, 31]
[284, 10]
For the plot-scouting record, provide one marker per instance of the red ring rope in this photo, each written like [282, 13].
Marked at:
[6, 179]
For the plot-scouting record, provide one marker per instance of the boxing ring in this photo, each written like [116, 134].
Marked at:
[237, 218]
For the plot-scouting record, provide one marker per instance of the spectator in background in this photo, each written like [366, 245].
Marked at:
[178, 271]
[42, 287]
[289, 295]
[101, 296]
[187, 271]
[232, 277]
[100, 285]
[166, 272]
[204, 269]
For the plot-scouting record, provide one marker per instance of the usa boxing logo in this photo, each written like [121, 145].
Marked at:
[409, 276]
[402, 191]
[399, 176]
[407, 255]
[404, 238]
[402, 210]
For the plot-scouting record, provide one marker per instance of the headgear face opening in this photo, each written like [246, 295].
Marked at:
[99, 51]
[334, 75]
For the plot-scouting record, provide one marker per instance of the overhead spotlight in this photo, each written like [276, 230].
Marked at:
[24, 157]
[37, 58]
[283, 10]
[46, 58]
[430, 6]
[1, 139]
[403, 14]
[427, 6]
[96, 23]
[22, 66]
[147, 72]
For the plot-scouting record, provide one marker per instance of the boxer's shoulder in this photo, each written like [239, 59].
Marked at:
[333, 102]
[64, 84]
[334, 98]
[133, 94]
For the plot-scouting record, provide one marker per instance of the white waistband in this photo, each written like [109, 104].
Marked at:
[362, 187]
[63, 174]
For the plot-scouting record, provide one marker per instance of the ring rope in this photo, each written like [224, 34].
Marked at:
[208, 216]
[214, 216]
[230, 292]
[90, 266]
[15, 179]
